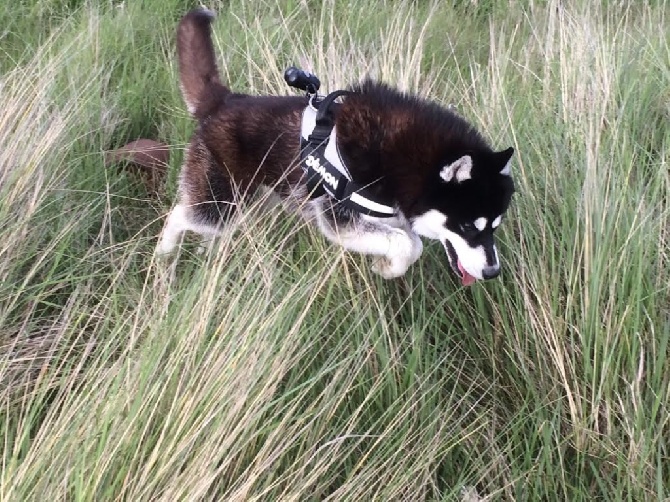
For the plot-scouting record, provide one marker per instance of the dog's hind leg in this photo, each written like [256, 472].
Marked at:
[175, 226]
[206, 200]
[180, 220]
[207, 242]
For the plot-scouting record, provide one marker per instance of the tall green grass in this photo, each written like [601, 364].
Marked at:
[277, 367]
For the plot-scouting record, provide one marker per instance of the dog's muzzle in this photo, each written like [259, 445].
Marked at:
[467, 279]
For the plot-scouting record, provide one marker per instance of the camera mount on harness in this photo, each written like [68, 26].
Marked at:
[303, 80]
[325, 170]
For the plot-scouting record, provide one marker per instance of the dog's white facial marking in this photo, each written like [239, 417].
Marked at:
[460, 170]
[480, 223]
[506, 170]
[430, 224]
[497, 222]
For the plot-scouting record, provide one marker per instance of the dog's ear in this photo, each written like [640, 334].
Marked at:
[502, 161]
[460, 170]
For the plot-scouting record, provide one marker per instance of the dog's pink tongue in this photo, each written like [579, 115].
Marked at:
[466, 278]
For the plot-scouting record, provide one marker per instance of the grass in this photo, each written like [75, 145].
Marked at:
[278, 367]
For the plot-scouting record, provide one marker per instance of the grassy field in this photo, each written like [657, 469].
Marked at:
[278, 367]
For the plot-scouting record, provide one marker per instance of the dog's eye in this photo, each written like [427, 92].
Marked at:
[468, 228]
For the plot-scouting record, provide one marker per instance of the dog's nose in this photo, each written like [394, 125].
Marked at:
[491, 272]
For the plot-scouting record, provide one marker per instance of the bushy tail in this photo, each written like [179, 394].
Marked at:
[198, 74]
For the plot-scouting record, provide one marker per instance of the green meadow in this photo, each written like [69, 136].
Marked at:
[278, 367]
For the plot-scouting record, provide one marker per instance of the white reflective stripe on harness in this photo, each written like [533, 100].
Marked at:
[371, 204]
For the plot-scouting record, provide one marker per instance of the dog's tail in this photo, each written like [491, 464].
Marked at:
[198, 74]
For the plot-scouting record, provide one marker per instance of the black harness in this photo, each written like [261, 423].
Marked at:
[322, 176]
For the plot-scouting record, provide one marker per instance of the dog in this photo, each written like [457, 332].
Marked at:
[424, 170]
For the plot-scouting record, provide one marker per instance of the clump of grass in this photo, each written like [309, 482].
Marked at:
[277, 367]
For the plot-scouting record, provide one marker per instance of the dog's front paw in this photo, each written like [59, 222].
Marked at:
[405, 250]
[389, 268]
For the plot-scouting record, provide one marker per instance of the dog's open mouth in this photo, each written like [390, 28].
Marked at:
[466, 278]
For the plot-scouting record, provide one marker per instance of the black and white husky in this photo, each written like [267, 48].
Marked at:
[423, 170]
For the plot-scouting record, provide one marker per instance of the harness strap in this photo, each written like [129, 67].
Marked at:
[325, 116]
[325, 178]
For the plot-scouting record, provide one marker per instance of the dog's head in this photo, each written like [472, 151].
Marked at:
[464, 202]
